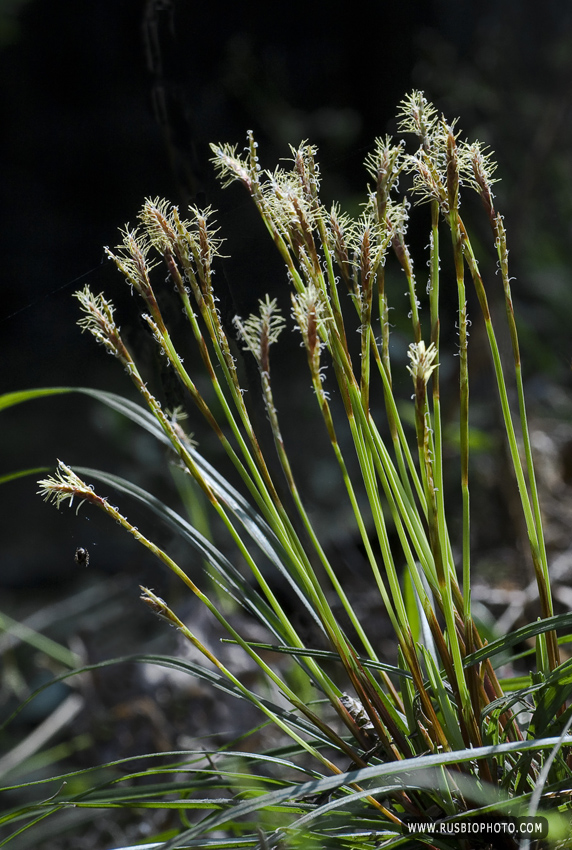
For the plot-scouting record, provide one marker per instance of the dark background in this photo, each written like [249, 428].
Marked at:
[108, 102]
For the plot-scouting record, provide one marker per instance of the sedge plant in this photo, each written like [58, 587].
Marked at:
[436, 736]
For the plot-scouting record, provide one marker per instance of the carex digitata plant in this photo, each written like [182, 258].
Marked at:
[438, 737]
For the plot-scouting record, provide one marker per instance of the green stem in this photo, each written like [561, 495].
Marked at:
[502, 250]
[540, 568]
[464, 410]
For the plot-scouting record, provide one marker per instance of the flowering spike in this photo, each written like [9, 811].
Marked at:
[418, 116]
[422, 362]
[258, 333]
[477, 168]
[452, 166]
[99, 321]
[307, 169]
[230, 166]
[310, 310]
[64, 486]
[291, 209]
[131, 259]
[157, 216]
[384, 164]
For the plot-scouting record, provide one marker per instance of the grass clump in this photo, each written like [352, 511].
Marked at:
[435, 738]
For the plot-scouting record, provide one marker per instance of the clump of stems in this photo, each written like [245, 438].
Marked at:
[442, 702]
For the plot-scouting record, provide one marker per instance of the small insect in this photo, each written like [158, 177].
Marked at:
[81, 557]
[358, 713]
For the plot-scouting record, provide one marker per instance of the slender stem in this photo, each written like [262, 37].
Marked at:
[502, 250]
[464, 410]
[434, 278]
[535, 547]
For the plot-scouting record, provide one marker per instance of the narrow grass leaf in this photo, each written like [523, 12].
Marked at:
[560, 621]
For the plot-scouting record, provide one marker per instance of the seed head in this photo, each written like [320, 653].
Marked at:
[231, 166]
[64, 487]
[452, 164]
[99, 321]
[160, 220]
[291, 207]
[429, 181]
[477, 168]
[258, 333]
[384, 164]
[311, 312]
[418, 116]
[307, 169]
[340, 228]
[422, 362]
